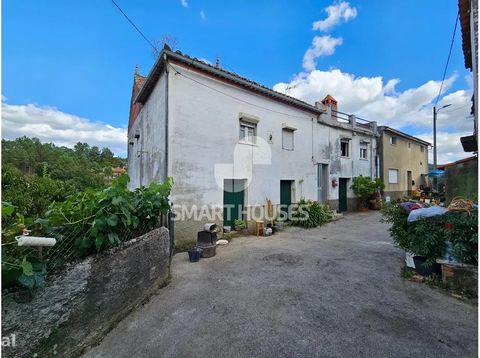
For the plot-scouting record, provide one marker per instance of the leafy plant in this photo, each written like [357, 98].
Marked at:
[311, 214]
[428, 236]
[240, 225]
[364, 187]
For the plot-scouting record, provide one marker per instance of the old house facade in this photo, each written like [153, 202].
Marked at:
[229, 142]
[403, 162]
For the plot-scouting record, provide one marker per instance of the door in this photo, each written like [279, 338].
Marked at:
[285, 194]
[409, 182]
[342, 194]
[322, 182]
[233, 202]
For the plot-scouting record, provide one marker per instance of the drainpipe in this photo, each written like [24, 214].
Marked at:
[166, 115]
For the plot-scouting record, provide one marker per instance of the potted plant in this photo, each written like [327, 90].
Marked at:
[240, 225]
[364, 188]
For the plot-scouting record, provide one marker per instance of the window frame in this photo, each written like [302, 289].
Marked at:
[292, 131]
[347, 142]
[247, 128]
[397, 172]
[364, 147]
[393, 140]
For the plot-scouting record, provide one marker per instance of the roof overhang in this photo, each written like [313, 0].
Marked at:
[178, 58]
[402, 134]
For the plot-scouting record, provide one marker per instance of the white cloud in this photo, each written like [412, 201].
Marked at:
[52, 125]
[336, 13]
[375, 99]
[321, 46]
[202, 15]
[184, 3]
[449, 146]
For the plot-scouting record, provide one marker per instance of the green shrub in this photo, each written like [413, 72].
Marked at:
[428, 236]
[240, 225]
[311, 214]
[364, 187]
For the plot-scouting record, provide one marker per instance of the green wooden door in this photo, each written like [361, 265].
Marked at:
[285, 193]
[342, 194]
[233, 206]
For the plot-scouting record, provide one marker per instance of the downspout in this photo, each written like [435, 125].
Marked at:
[167, 137]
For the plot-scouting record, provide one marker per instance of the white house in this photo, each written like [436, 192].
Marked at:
[227, 141]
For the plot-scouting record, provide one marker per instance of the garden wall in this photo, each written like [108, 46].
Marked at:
[461, 179]
[83, 302]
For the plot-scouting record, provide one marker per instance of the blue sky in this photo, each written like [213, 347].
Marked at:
[79, 57]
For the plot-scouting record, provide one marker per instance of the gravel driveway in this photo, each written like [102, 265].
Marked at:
[335, 291]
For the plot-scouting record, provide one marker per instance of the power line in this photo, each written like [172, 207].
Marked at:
[448, 58]
[135, 26]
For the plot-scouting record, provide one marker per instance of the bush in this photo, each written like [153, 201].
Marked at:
[311, 214]
[364, 187]
[428, 236]
[240, 225]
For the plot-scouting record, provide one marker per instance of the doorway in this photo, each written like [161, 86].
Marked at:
[233, 201]
[286, 194]
[322, 183]
[409, 182]
[342, 194]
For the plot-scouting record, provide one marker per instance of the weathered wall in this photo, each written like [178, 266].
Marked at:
[462, 180]
[146, 156]
[81, 304]
[203, 132]
[400, 156]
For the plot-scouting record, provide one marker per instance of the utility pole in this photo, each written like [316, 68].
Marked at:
[435, 111]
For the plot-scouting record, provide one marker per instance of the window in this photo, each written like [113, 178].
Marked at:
[344, 147]
[363, 150]
[393, 176]
[409, 145]
[422, 148]
[393, 140]
[287, 139]
[248, 131]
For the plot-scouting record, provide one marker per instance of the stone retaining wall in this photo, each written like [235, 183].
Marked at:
[82, 303]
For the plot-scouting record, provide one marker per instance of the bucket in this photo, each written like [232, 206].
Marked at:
[194, 254]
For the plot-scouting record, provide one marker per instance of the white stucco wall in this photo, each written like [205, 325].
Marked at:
[146, 157]
[204, 130]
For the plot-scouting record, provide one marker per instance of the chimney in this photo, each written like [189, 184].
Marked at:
[331, 102]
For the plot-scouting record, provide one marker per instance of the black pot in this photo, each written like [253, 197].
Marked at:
[423, 269]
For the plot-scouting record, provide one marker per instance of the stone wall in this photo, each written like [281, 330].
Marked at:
[82, 303]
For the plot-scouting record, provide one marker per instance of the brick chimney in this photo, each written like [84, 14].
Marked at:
[330, 102]
[135, 108]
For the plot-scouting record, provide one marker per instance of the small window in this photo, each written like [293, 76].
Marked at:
[409, 145]
[393, 176]
[344, 148]
[393, 140]
[422, 149]
[248, 131]
[287, 139]
[363, 150]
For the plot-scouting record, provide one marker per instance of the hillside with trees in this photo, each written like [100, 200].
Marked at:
[35, 174]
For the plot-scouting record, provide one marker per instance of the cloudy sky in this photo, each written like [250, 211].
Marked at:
[67, 69]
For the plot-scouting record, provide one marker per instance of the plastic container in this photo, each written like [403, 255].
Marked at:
[425, 270]
[194, 254]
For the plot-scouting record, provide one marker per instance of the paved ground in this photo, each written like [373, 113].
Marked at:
[328, 292]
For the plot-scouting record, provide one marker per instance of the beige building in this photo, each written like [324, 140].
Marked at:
[403, 162]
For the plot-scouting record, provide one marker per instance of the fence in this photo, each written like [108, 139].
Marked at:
[68, 245]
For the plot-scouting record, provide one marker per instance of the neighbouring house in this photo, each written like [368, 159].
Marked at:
[403, 162]
[468, 13]
[231, 144]
[461, 178]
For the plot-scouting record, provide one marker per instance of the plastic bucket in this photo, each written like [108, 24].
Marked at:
[194, 254]
[425, 270]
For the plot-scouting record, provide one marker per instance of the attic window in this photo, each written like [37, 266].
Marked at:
[393, 140]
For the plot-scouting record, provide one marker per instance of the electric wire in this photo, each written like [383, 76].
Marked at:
[448, 59]
[135, 26]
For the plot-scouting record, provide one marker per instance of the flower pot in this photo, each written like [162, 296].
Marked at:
[423, 269]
